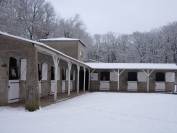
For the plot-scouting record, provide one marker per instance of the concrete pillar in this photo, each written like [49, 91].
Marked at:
[89, 80]
[148, 75]
[56, 62]
[84, 79]
[4, 79]
[118, 80]
[69, 78]
[78, 70]
[32, 100]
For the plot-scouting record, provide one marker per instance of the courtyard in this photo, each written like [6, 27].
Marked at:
[99, 112]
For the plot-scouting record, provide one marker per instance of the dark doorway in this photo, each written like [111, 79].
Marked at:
[81, 80]
[13, 69]
[87, 80]
[132, 76]
[160, 76]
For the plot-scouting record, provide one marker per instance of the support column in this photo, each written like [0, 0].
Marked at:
[32, 99]
[78, 70]
[148, 80]
[148, 73]
[56, 62]
[89, 80]
[69, 78]
[84, 80]
[118, 80]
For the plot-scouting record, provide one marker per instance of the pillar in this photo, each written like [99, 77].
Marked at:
[89, 79]
[148, 74]
[56, 62]
[84, 79]
[32, 100]
[69, 78]
[118, 80]
[78, 70]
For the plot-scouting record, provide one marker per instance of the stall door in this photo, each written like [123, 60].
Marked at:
[63, 86]
[13, 91]
[104, 85]
[53, 86]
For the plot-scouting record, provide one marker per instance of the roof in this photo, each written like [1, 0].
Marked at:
[134, 66]
[42, 45]
[62, 39]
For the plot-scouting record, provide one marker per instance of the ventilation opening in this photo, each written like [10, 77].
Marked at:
[160, 77]
[132, 76]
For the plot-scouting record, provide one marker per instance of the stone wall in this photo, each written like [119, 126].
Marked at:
[68, 47]
[113, 86]
[142, 87]
[94, 85]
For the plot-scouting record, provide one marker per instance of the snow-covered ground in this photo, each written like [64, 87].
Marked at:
[97, 113]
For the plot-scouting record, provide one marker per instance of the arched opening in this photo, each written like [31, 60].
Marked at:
[14, 72]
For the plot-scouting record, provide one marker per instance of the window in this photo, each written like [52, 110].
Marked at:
[160, 76]
[52, 73]
[105, 76]
[39, 72]
[132, 76]
[13, 69]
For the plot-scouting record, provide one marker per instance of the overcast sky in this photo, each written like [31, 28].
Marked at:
[120, 16]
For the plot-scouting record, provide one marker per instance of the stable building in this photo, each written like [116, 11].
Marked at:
[133, 77]
[52, 69]
[30, 71]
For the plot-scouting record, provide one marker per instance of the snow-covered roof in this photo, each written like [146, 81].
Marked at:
[42, 45]
[134, 66]
[62, 39]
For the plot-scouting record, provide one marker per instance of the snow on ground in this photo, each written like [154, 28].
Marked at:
[97, 113]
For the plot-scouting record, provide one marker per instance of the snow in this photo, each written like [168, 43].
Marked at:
[159, 66]
[60, 39]
[97, 113]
